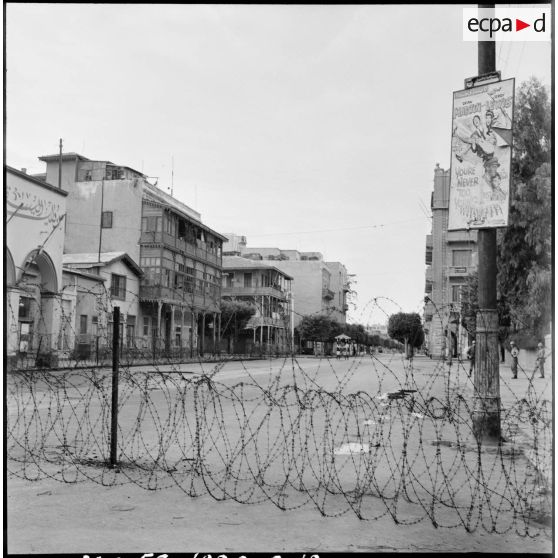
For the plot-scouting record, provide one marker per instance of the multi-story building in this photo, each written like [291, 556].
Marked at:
[35, 214]
[113, 208]
[268, 290]
[234, 245]
[318, 287]
[339, 285]
[451, 256]
[377, 329]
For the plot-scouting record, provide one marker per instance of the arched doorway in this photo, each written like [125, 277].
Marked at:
[39, 309]
[10, 268]
[39, 270]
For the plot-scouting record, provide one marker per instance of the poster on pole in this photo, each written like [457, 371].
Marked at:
[481, 149]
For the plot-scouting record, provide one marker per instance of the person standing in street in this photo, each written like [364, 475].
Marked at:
[471, 356]
[514, 351]
[541, 358]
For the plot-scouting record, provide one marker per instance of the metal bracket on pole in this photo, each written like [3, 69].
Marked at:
[476, 81]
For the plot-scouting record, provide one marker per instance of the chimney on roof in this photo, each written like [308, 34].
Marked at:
[24, 171]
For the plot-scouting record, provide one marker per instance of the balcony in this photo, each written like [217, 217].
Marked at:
[179, 244]
[459, 271]
[429, 249]
[429, 281]
[327, 294]
[158, 293]
[429, 274]
[257, 321]
[428, 311]
[466, 237]
[275, 292]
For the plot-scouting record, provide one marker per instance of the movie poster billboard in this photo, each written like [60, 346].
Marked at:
[481, 149]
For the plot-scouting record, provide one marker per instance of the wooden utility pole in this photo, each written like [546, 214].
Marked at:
[114, 402]
[486, 414]
[60, 167]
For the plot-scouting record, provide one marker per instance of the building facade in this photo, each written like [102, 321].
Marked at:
[268, 290]
[450, 258]
[114, 208]
[95, 302]
[35, 215]
[84, 299]
[318, 287]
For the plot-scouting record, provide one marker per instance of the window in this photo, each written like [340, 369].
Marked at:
[151, 224]
[247, 279]
[118, 286]
[106, 220]
[178, 281]
[188, 284]
[130, 329]
[145, 326]
[150, 262]
[94, 324]
[461, 258]
[456, 293]
[166, 277]
[114, 173]
[83, 324]
[24, 312]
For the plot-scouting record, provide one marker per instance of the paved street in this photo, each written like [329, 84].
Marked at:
[290, 443]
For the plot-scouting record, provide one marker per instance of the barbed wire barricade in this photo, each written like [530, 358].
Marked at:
[377, 435]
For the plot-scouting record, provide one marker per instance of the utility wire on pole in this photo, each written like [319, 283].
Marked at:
[486, 413]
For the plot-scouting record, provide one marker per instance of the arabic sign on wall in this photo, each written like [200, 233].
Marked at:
[481, 156]
[34, 216]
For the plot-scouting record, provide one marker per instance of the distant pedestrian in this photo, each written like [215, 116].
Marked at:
[514, 351]
[337, 351]
[471, 356]
[541, 358]
[346, 351]
[448, 356]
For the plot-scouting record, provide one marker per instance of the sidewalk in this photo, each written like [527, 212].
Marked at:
[534, 438]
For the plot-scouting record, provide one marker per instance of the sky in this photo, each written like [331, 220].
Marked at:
[314, 128]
